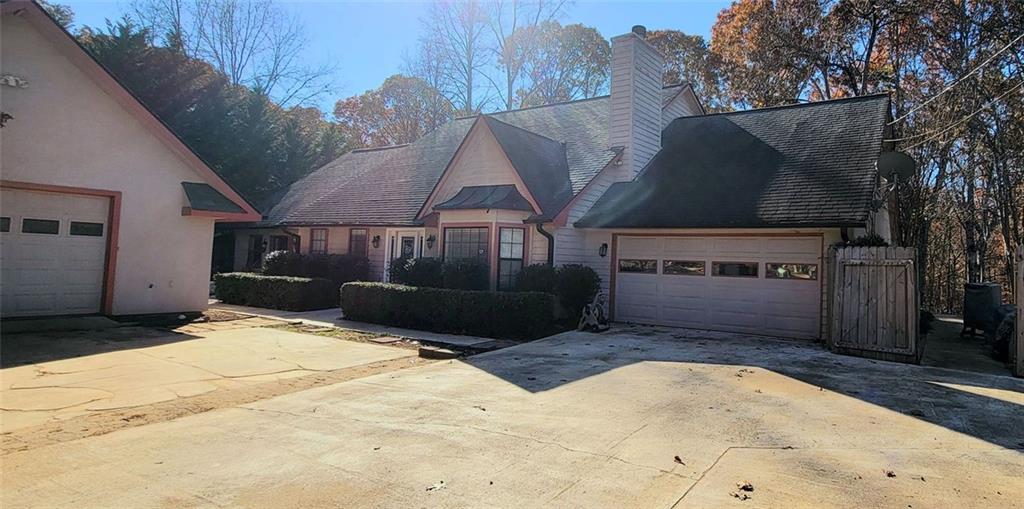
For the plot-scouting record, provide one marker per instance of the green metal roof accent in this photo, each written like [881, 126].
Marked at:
[204, 197]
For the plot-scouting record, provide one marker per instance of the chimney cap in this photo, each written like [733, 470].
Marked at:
[640, 30]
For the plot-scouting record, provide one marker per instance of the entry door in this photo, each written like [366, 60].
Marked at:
[758, 285]
[53, 251]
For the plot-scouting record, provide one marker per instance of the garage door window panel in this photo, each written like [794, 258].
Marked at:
[40, 226]
[734, 269]
[637, 266]
[86, 229]
[683, 268]
[5, 224]
[798, 271]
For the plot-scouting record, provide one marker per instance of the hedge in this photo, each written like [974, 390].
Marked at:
[506, 315]
[574, 284]
[340, 268]
[275, 292]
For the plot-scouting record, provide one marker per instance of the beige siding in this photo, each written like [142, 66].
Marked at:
[337, 243]
[67, 131]
[635, 116]
[683, 105]
[538, 245]
[480, 162]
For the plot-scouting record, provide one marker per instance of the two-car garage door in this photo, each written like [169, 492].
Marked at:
[53, 250]
[760, 285]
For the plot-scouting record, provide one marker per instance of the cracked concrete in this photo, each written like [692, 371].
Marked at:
[106, 370]
[577, 420]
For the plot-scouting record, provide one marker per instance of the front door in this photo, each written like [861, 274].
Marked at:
[408, 248]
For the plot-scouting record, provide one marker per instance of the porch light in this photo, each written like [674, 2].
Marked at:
[375, 241]
[603, 250]
[430, 241]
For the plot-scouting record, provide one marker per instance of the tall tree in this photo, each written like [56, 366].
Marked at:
[688, 59]
[509, 17]
[401, 111]
[565, 63]
[455, 39]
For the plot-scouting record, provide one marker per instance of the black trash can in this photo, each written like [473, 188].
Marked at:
[981, 301]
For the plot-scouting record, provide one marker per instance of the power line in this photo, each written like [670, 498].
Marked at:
[959, 80]
[931, 135]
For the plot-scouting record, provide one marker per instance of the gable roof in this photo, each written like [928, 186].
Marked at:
[804, 165]
[540, 161]
[84, 61]
[388, 185]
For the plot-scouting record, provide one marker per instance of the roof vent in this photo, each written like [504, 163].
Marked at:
[640, 30]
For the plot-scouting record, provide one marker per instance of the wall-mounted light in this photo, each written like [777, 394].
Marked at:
[603, 250]
[375, 241]
[430, 241]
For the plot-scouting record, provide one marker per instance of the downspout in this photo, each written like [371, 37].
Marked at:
[551, 243]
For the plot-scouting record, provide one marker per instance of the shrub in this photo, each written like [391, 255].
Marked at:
[465, 275]
[337, 267]
[576, 286]
[507, 315]
[283, 263]
[536, 278]
[416, 272]
[869, 240]
[275, 292]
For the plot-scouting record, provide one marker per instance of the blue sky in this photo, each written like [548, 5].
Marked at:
[367, 40]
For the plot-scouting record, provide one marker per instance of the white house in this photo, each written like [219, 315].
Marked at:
[103, 209]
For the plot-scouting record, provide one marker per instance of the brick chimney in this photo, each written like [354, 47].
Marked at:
[635, 114]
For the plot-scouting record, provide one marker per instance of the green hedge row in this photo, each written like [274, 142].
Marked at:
[275, 292]
[506, 315]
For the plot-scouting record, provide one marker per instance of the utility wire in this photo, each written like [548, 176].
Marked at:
[959, 80]
[932, 134]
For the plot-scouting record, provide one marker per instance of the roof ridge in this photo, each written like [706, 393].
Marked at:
[538, 135]
[798, 105]
[374, 149]
[560, 103]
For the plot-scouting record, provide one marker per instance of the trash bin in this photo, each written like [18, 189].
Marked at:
[981, 300]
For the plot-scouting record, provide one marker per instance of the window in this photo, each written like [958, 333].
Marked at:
[85, 229]
[510, 256]
[254, 258]
[805, 271]
[734, 269]
[685, 268]
[318, 241]
[465, 244]
[357, 241]
[278, 243]
[639, 266]
[5, 224]
[44, 226]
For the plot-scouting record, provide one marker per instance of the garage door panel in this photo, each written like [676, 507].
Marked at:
[759, 305]
[48, 274]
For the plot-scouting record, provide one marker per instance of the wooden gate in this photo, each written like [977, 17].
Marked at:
[874, 308]
[1017, 350]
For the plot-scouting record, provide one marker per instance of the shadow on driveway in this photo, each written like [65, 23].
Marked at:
[987, 407]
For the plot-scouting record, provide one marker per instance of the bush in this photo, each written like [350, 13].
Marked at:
[576, 286]
[336, 267]
[869, 240]
[465, 275]
[536, 278]
[283, 263]
[275, 292]
[506, 315]
[417, 272]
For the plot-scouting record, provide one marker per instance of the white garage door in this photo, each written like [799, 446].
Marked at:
[759, 285]
[52, 253]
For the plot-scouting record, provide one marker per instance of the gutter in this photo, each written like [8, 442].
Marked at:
[551, 243]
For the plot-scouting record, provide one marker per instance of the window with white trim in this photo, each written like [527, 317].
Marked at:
[318, 241]
[510, 256]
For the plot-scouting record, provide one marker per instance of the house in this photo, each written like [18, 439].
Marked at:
[716, 221]
[104, 209]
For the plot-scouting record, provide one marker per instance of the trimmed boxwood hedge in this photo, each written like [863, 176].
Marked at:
[506, 315]
[275, 292]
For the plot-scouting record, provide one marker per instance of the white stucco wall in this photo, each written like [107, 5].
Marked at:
[67, 131]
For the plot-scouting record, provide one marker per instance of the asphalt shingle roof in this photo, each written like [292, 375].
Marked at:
[540, 161]
[387, 186]
[804, 165]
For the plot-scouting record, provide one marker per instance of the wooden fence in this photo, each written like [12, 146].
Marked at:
[874, 303]
[1017, 350]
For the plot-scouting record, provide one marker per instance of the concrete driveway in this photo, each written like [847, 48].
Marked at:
[633, 418]
[56, 386]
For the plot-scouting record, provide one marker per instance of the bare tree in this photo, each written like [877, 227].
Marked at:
[254, 43]
[455, 41]
[512, 44]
